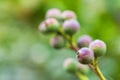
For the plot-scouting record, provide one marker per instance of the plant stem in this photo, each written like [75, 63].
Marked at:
[94, 67]
[81, 76]
[98, 72]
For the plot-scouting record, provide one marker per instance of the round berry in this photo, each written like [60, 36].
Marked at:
[70, 65]
[71, 26]
[57, 42]
[68, 15]
[53, 13]
[84, 41]
[42, 27]
[52, 24]
[85, 55]
[83, 68]
[98, 47]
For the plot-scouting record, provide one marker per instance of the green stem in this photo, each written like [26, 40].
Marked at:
[81, 76]
[94, 67]
[98, 72]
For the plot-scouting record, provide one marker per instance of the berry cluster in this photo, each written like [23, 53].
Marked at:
[64, 25]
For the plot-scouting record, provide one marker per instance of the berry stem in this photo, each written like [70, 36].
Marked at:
[94, 67]
[98, 72]
[81, 76]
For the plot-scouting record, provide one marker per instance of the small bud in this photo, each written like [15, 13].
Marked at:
[70, 65]
[53, 13]
[98, 47]
[84, 69]
[52, 24]
[84, 41]
[57, 42]
[42, 27]
[85, 55]
[71, 26]
[68, 15]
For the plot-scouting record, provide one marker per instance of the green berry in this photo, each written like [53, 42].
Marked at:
[53, 13]
[70, 65]
[98, 47]
[71, 26]
[52, 25]
[67, 14]
[57, 42]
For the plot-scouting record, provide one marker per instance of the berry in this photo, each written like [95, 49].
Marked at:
[42, 27]
[71, 26]
[84, 69]
[98, 47]
[85, 55]
[84, 41]
[52, 24]
[53, 13]
[57, 42]
[68, 15]
[70, 65]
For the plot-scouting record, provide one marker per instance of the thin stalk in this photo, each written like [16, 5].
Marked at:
[98, 72]
[81, 76]
[94, 67]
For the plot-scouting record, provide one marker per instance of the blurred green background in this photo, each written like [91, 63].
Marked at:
[25, 53]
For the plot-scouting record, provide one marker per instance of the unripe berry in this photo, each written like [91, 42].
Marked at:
[57, 42]
[98, 47]
[84, 69]
[52, 24]
[84, 41]
[68, 15]
[53, 13]
[70, 65]
[71, 26]
[85, 55]
[42, 27]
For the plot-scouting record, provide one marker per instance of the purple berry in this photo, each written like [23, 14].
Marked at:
[68, 15]
[71, 26]
[53, 13]
[70, 65]
[84, 41]
[85, 55]
[52, 24]
[57, 42]
[98, 47]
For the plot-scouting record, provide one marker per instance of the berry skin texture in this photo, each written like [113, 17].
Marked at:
[67, 14]
[84, 41]
[57, 42]
[71, 26]
[98, 47]
[85, 55]
[51, 24]
[53, 13]
[70, 65]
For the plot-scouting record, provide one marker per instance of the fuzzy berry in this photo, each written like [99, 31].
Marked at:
[84, 41]
[98, 47]
[53, 13]
[84, 69]
[71, 26]
[42, 27]
[85, 55]
[70, 65]
[68, 15]
[51, 24]
[57, 42]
